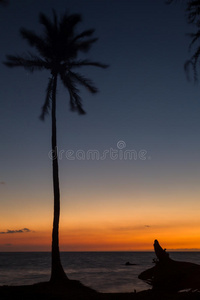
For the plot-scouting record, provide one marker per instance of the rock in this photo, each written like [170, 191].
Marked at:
[168, 274]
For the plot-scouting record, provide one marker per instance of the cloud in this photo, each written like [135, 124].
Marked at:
[16, 231]
[2, 182]
[131, 228]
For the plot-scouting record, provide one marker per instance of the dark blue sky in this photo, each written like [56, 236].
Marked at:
[144, 101]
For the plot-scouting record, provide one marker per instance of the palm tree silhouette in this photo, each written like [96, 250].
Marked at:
[57, 52]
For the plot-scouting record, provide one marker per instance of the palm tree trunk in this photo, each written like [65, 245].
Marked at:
[57, 272]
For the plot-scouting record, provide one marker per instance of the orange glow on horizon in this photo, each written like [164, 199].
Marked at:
[104, 226]
[105, 238]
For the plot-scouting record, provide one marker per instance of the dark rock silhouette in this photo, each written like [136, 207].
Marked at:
[171, 275]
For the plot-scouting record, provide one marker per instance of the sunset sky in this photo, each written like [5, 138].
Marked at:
[129, 168]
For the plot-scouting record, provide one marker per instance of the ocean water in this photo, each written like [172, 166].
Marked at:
[102, 271]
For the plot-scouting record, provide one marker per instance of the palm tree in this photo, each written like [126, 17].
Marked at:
[57, 52]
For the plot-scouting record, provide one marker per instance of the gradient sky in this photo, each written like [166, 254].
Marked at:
[145, 105]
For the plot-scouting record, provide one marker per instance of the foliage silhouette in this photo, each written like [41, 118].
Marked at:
[57, 52]
[193, 17]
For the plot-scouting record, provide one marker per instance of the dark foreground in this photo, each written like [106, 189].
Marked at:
[74, 290]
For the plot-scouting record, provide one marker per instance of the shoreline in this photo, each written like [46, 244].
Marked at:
[74, 290]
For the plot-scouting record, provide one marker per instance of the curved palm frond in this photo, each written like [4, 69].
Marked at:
[47, 23]
[192, 63]
[193, 10]
[31, 37]
[85, 62]
[68, 24]
[46, 106]
[34, 40]
[187, 66]
[193, 17]
[195, 37]
[67, 50]
[51, 32]
[30, 63]
[85, 46]
[195, 59]
[83, 34]
[75, 99]
[87, 83]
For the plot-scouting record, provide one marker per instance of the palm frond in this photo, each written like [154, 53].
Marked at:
[75, 99]
[193, 10]
[192, 63]
[46, 106]
[46, 22]
[40, 43]
[66, 35]
[85, 46]
[30, 63]
[187, 67]
[195, 37]
[85, 62]
[31, 37]
[87, 83]
[35, 40]
[83, 34]
[67, 25]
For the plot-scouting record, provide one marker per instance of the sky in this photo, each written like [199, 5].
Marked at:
[130, 168]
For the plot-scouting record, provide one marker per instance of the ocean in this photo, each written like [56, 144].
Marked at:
[102, 271]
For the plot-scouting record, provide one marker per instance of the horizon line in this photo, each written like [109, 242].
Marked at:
[102, 251]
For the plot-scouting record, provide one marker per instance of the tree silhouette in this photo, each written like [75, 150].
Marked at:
[57, 51]
[193, 17]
